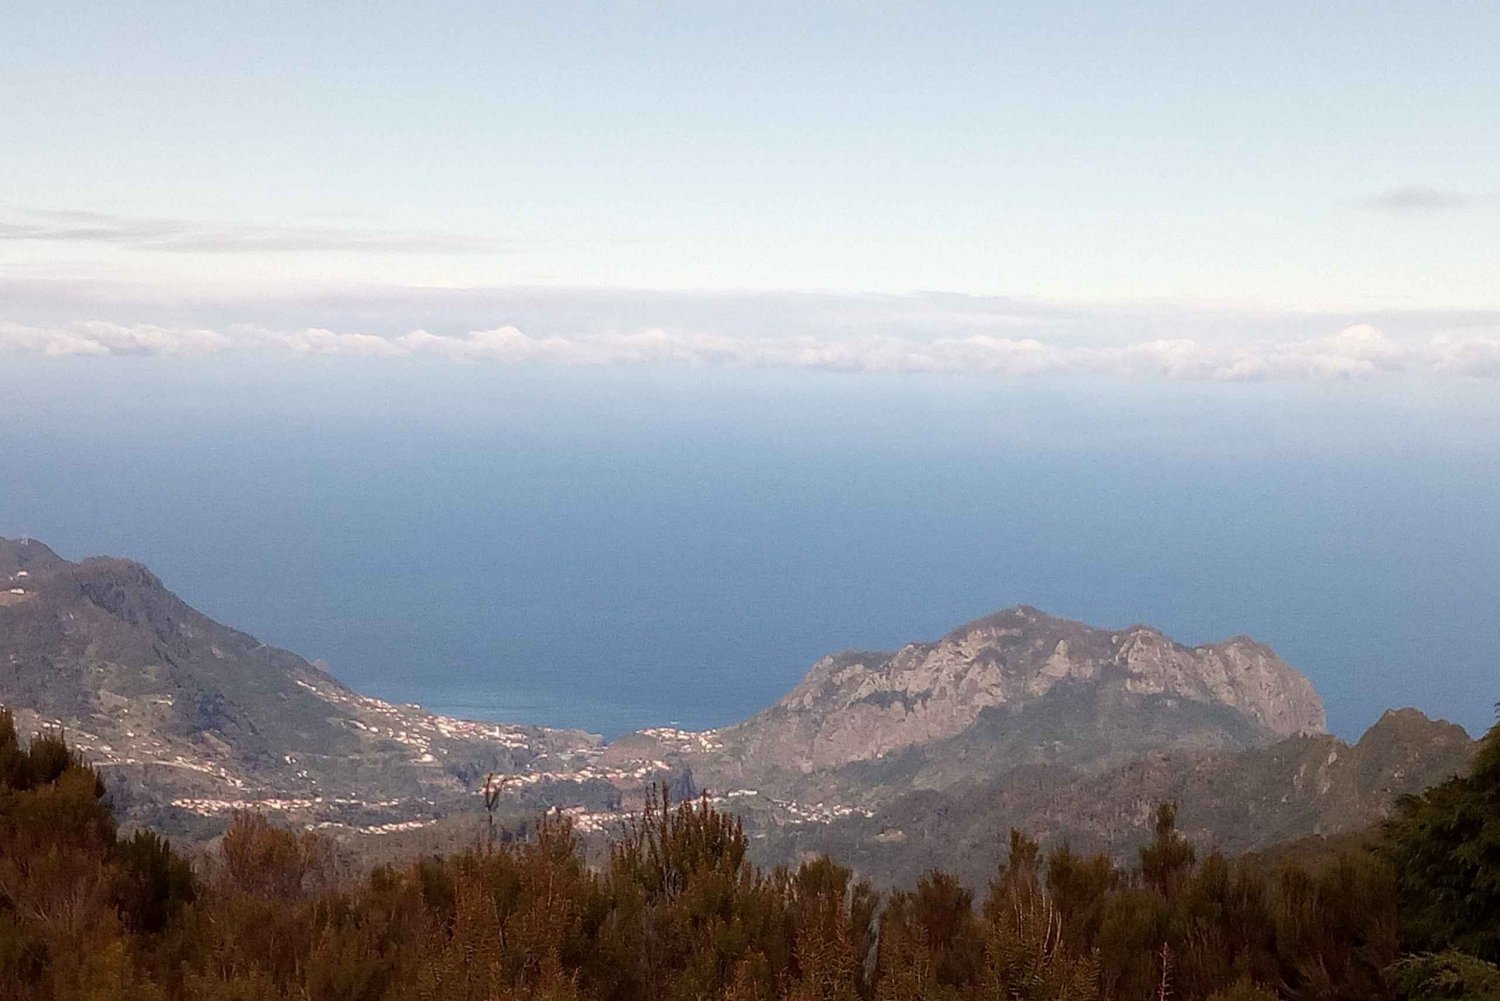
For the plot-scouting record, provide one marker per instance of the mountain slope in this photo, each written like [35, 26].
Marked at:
[1239, 801]
[191, 718]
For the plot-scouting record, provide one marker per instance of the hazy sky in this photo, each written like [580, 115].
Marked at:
[1185, 313]
[1338, 157]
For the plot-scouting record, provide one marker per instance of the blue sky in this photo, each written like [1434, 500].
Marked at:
[1272, 156]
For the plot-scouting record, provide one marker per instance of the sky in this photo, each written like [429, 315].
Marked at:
[1272, 156]
[1253, 246]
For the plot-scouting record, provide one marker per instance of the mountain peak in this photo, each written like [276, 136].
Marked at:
[1410, 726]
[1016, 616]
[28, 555]
[854, 707]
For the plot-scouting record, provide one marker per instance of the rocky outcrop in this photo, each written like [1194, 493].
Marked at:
[860, 706]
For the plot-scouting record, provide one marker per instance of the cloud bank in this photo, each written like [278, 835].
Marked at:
[190, 236]
[1356, 352]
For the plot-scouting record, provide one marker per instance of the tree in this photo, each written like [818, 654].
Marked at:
[1445, 847]
[1168, 860]
[1026, 954]
[1446, 975]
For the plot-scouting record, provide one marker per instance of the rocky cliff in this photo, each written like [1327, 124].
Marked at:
[855, 707]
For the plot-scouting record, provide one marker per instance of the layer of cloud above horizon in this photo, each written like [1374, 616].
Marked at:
[187, 236]
[1355, 352]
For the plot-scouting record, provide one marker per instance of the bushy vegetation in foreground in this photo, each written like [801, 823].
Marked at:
[678, 912]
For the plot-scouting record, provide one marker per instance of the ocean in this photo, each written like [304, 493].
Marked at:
[616, 548]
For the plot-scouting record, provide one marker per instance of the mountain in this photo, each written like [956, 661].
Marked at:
[894, 761]
[854, 706]
[1309, 786]
[190, 719]
[1013, 688]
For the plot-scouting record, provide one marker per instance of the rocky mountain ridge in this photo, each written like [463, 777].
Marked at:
[1018, 686]
[1019, 717]
[854, 706]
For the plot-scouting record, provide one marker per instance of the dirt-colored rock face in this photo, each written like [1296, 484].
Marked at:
[853, 706]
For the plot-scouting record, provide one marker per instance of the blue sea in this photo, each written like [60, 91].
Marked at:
[615, 548]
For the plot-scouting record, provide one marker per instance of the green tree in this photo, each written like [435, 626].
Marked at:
[1445, 847]
[1443, 976]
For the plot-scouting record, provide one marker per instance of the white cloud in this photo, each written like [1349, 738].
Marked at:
[99, 338]
[1356, 352]
[314, 341]
[1472, 356]
[197, 236]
